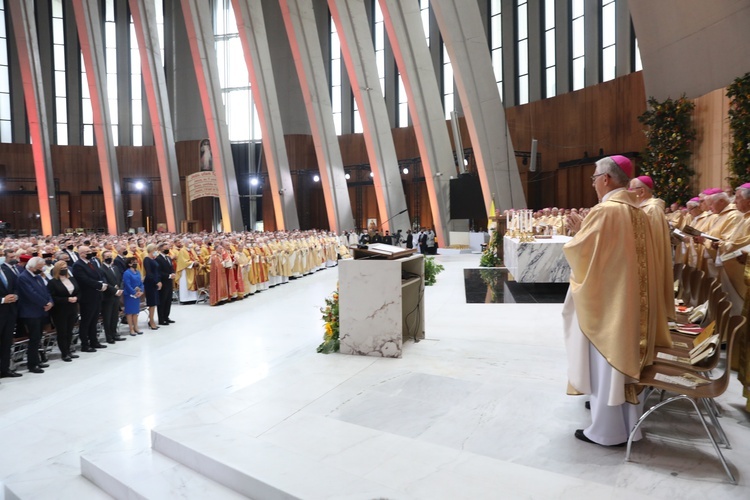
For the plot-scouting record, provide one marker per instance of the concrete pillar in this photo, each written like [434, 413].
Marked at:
[24, 29]
[144, 20]
[359, 57]
[252, 29]
[301, 28]
[88, 21]
[199, 24]
[466, 42]
[403, 24]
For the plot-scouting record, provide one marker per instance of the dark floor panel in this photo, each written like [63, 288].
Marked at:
[491, 285]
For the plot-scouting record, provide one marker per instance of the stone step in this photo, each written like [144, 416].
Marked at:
[44, 487]
[259, 469]
[147, 474]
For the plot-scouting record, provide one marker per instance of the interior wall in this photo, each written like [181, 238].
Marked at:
[711, 149]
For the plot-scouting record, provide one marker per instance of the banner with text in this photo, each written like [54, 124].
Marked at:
[202, 184]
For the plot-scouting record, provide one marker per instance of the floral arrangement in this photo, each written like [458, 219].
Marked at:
[331, 324]
[666, 159]
[739, 124]
[489, 257]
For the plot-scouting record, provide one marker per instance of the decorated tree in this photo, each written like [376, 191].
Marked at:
[739, 125]
[666, 160]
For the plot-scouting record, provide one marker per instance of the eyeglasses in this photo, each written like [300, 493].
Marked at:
[593, 177]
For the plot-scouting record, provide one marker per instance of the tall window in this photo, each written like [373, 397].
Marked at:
[448, 103]
[577, 35]
[403, 104]
[550, 74]
[241, 114]
[637, 65]
[159, 4]
[522, 28]
[58, 55]
[335, 58]
[379, 32]
[87, 113]
[6, 129]
[136, 89]
[608, 40]
[424, 8]
[110, 35]
[496, 42]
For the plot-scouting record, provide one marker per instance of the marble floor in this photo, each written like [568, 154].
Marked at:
[233, 401]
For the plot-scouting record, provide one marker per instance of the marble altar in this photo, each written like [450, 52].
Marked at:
[540, 261]
[380, 305]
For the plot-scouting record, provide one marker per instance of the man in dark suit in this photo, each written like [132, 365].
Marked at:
[8, 313]
[111, 298]
[119, 262]
[92, 287]
[70, 251]
[166, 273]
[35, 301]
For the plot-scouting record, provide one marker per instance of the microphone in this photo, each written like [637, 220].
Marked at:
[386, 222]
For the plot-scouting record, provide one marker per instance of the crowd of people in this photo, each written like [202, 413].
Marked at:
[58, 282]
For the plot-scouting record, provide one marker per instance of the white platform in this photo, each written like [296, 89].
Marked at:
[238, 398]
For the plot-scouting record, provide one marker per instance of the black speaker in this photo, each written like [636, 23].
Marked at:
[466, 198]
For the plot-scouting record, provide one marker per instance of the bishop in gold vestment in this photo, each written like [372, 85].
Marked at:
[606, 313]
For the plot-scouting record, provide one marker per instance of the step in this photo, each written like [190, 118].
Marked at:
[147, 474]
[43, 488]
[259, 469]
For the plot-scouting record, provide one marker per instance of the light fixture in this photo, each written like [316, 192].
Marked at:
[253, 181]
[466, 162]
[316, 178]
[405, 170]
[139, 185]
[347, 176]
[372, 174]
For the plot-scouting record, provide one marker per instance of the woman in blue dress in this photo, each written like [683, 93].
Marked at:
[133, 290]
[152, 283]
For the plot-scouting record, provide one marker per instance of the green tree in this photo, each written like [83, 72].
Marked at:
[739, 124]
[666, 159]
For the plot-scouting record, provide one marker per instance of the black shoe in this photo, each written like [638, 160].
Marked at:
[74, 356]
[43, 365]
[163, 323]
[580, 435]
[99, 346]
[10, 374]
[153, 328]
[171, 321]
[110, 341]
[88, 349]
[36, 370]
[120, 339]
[67, 359]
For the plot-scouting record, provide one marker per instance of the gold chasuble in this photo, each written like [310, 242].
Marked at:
[184, 260]
[662, 273]
[609, 283]
[732, 273]
[743, 369]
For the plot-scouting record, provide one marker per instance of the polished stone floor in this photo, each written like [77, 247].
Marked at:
[238, 395]
[494, 285]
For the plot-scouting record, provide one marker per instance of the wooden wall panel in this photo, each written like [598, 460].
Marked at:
[711, 149]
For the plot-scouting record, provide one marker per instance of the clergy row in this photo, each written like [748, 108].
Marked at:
[227, 266]
[724, 223]
[551, 220]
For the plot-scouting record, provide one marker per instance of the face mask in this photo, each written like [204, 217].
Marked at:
[2, 260]
[90, 255]
[155, 254]
[165, 252]
[108, 260]
[70, 247]
[13, 262]
[38, 271]
[125, 253]
[48, 262]
[63, 272]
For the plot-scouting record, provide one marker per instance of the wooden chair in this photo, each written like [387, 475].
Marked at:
[712, 389]
[677, 277]
[696, 283]
[687, 271]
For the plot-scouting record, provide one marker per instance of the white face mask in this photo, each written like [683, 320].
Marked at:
[2, 260]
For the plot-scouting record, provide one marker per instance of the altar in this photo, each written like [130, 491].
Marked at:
[539, 261]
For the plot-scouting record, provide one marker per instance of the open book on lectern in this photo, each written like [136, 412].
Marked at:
[381, 250]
